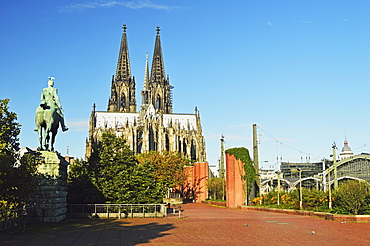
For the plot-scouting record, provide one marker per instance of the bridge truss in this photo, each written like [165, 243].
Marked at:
[353, 168]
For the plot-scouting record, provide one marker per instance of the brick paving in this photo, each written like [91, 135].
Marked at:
[200, 225]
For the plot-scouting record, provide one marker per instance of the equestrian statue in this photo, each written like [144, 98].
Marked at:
[48, 116]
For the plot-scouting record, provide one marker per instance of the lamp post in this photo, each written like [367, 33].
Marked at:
[278, 174]
[334, 146]
[246, 190]
[300, 188]
[330, 205]
[335, 165]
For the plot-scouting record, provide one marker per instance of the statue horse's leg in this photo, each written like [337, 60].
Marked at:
[53, 134]
[41, 139]
[47, 135]
[54, 129]
[40, 125]
[47, 139]
[44, 139]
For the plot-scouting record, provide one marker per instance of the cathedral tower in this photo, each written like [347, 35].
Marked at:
[157, 88]
[154, 127]
[122, 97]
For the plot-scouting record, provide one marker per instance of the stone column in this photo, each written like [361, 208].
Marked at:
[51, 194]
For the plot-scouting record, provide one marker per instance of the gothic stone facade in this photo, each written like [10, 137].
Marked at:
[154, 127]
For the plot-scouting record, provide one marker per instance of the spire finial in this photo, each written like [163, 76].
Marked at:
[124, 27]
[158, 29]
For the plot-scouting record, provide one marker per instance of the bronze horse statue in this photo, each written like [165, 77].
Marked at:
[48, 116]
[47, 121]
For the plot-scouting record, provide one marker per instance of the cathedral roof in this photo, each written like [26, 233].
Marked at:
[112, 120]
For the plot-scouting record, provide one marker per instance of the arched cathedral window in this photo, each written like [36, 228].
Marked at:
[123, 101]
[167, 144]
[193, 150]
[158, 102]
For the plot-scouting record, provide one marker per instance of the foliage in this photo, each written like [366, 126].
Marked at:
[315, 200]
[161, 171]
[353, 197]
[17, 182]
[168, 167]
[114, 175]
[16, 173]
[242, 154]
[216, 187]
[144, 186]
[9, 128]
[111, 173]
[81, 190]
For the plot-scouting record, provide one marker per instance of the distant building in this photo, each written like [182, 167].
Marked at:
[267, 174]
[155, 127]
[289, 169]
[69, 159]
[346, 151]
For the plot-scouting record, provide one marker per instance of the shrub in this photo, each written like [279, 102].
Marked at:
[311, 200]
[352, 197]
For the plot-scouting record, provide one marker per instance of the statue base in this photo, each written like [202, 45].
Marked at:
[51, 194]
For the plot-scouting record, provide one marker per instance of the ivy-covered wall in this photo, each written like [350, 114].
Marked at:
[243, 155]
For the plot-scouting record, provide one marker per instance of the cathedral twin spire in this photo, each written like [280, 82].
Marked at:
[156, 90]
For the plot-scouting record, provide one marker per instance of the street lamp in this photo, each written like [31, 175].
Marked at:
[330, 205]
[335, 165]
[278, 174]
[300, 188]
[246, 190]
[334, 146]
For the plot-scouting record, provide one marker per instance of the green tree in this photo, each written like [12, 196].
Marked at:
[352, 197]
[123, 178]
[9, 128]
[16, 173]
[111, 172]
[216, 187]
[81, 190]
[144, 186]
[168, 167]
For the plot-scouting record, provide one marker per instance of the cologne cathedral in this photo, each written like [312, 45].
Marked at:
[155, 127]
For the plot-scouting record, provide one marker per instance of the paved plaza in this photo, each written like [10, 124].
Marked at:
[200, 225]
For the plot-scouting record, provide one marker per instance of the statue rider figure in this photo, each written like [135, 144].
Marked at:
[49, 96]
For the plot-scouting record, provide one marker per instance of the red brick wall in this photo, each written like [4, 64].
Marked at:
[197, 177]
[235, 184]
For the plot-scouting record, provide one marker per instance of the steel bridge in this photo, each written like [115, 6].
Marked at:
[356, 167]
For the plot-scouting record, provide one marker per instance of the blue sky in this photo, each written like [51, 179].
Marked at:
[298, 69]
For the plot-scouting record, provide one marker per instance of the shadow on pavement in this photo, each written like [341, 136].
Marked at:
[86, 232]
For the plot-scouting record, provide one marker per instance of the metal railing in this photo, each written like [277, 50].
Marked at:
[16, 217]
[117, 210]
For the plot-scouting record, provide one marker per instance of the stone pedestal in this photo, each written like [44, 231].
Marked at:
[51, 194]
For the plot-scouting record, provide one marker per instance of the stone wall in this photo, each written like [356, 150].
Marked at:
[50, 197]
